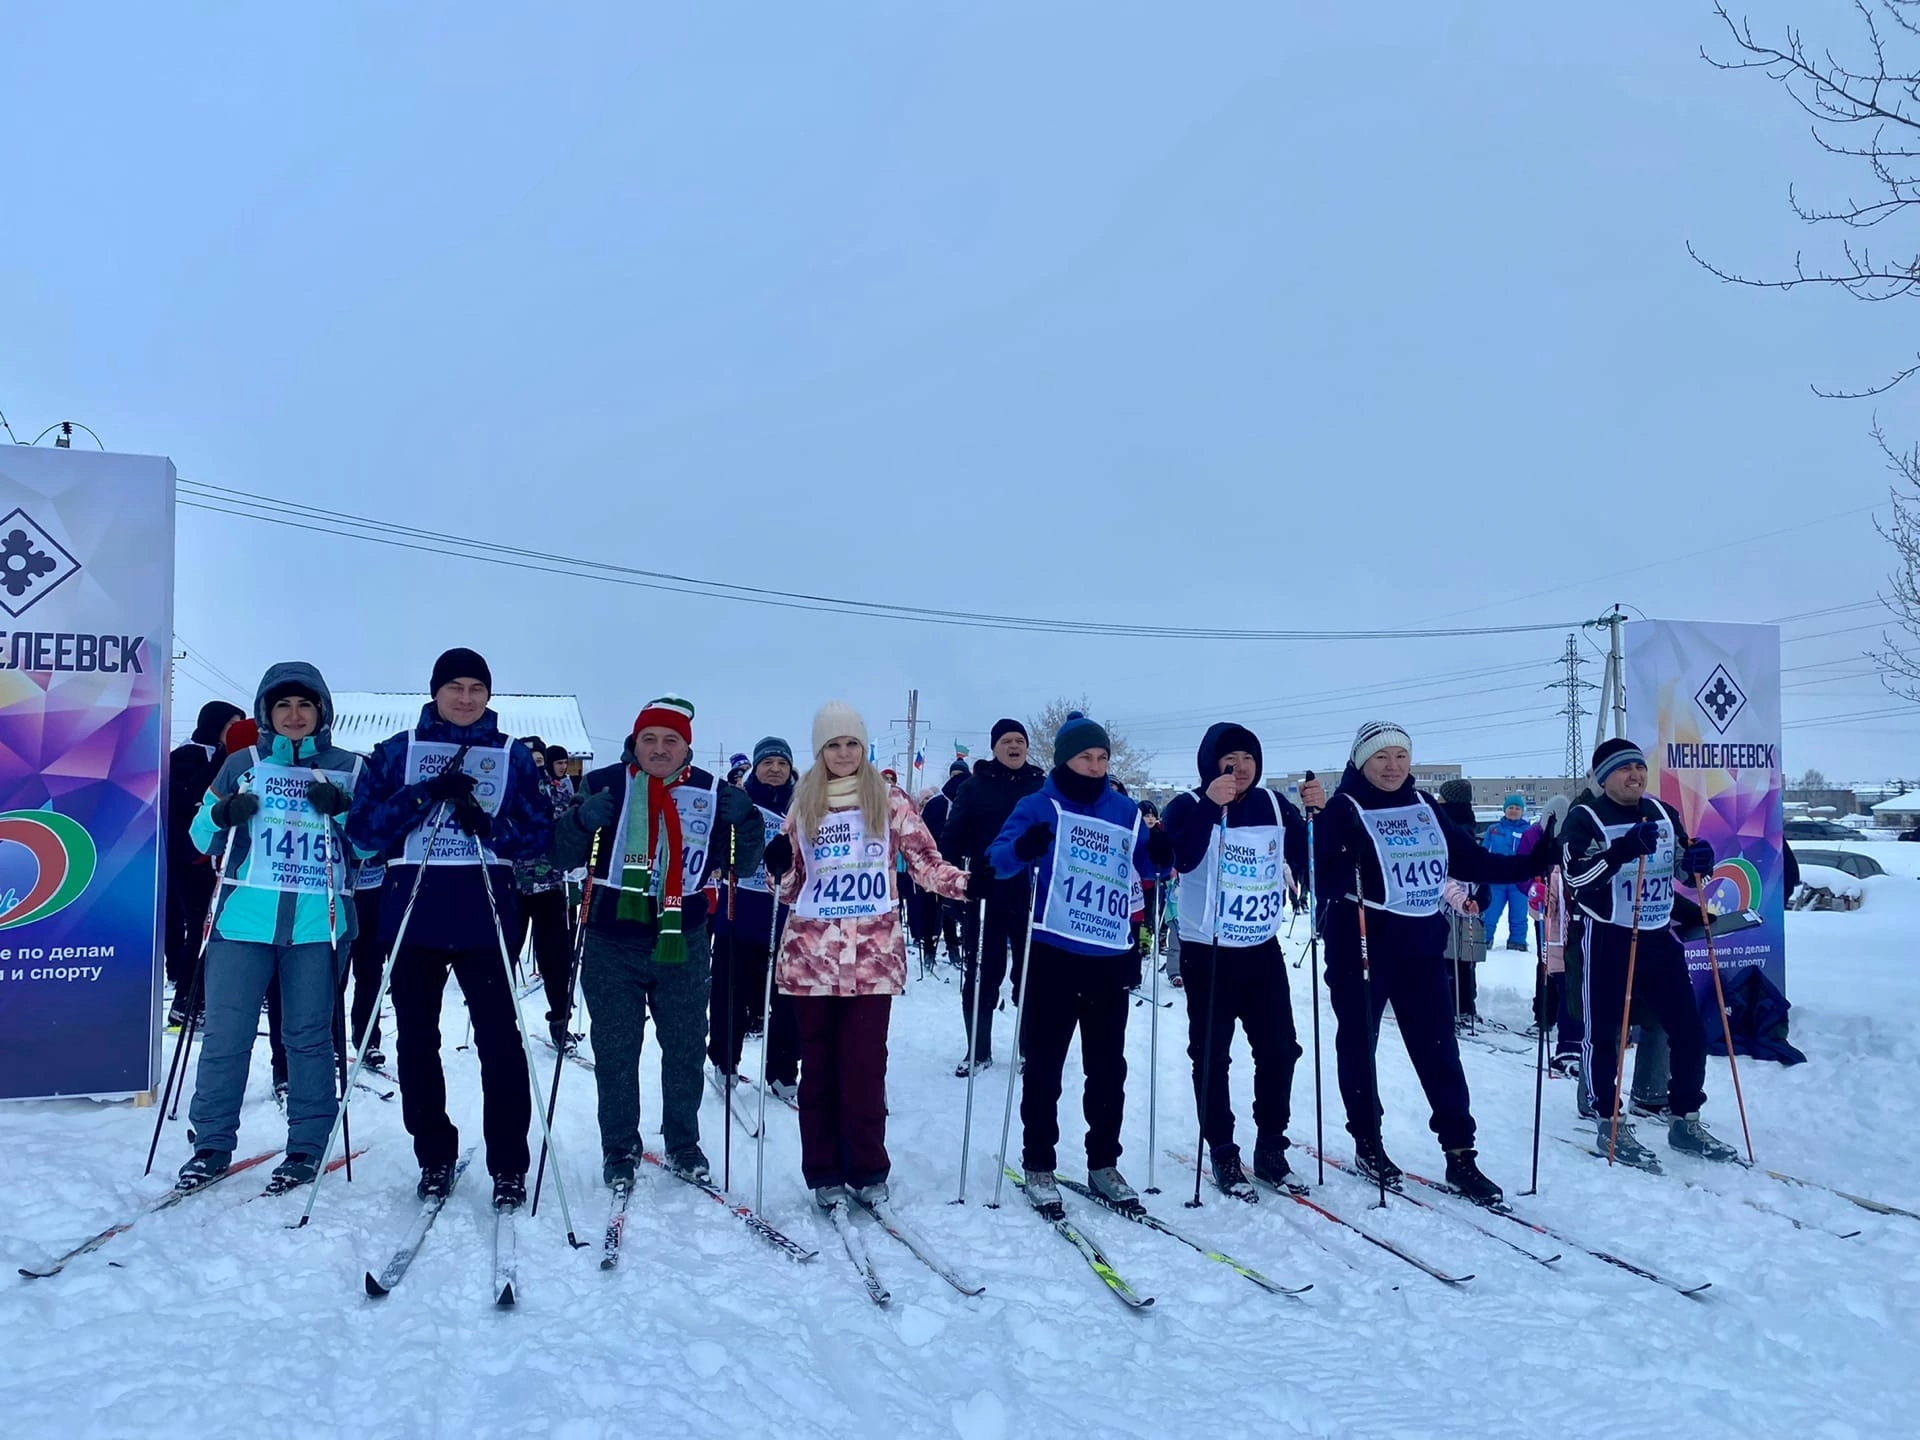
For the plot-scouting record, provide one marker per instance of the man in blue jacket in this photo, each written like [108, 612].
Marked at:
[1086, 842]
[1508, 900]
[457, 782]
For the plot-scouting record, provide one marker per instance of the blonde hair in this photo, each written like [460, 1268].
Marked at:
[810, 799]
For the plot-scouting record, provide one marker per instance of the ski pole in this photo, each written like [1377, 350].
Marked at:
[386, 981]
[340, 985]
[1726, 1026]
[1313, 948]
[1379, 1114]
[566, 1022]
[185, 1039]
[1019, 1009]
[1626, 1006]
[1540, 1020]
[766, 1045]
[1213, 995]
[727, 1036]
[526, 1046]
[1153, 1037]
[973, 1037]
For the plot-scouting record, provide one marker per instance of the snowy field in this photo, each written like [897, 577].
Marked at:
[213, 1319]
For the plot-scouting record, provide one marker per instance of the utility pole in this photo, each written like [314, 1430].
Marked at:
[913, 732]
[1613, 687]
[1573, 684]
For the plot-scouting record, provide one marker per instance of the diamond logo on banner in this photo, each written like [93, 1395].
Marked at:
[1720, 699]
[32, 563]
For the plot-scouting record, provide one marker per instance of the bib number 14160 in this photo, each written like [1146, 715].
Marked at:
[1095, 898]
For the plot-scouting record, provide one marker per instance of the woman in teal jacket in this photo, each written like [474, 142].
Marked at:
[276, 813]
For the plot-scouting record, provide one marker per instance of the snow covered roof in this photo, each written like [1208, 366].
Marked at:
[363, 718]
[1900, 803]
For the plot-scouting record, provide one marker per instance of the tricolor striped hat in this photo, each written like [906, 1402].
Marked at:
[669, 712]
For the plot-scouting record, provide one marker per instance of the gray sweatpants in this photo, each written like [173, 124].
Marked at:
[620, 981]
[238, 974]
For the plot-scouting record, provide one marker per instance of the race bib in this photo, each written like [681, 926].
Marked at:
[1656, 879]
[1243, 882]
[758, 879]
[1412, 851]
[292, 846]
[846, 872]
[1094, 888]
[452, 845]
[699, 808]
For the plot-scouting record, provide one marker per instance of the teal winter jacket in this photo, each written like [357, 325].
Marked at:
[265, 914]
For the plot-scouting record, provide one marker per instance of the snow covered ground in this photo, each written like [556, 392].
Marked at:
[214, 1319]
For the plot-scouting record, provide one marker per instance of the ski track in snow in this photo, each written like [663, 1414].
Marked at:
[213, 1319]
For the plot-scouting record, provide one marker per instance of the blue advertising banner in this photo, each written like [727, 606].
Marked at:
[86, 587]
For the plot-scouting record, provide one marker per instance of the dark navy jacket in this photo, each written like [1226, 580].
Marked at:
[1190, 818]
[1344, 854]
[452, 912]
[752, 918]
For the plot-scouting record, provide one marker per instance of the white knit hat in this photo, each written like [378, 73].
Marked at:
[834, 719]
[1375, 736]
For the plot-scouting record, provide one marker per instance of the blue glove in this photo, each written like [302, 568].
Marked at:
[1698, 858]
[1644, 837]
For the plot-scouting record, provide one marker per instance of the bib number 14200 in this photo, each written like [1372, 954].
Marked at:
[847, 886]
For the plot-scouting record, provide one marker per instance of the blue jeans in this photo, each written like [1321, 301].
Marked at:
[238, 973]
[1511, 901]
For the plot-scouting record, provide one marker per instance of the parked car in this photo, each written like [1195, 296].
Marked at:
[1851, 862]
[1817, 830]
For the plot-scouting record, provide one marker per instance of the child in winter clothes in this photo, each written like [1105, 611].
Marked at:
[843, 958]
[282, 914]
[1087, 846]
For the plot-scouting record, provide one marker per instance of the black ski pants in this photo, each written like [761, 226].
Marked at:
[419, 985]
[189, 893]
[995, 936]
[368, 956]
[1660, 987]
[1065, 991]
[1248, 985]
[544, 914]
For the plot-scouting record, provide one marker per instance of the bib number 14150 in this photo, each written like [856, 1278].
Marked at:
[307, 847]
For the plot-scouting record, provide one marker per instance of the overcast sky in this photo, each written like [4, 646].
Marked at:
[1220, 315]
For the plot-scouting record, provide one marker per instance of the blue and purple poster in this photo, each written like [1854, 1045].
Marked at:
[1703, 700]
[86, 591]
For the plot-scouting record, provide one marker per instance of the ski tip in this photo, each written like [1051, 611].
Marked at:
[43, 1274]
[612, 1262]
[374, 1288]
[504, 1300]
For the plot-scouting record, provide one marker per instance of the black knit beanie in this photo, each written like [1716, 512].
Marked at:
[460, 663]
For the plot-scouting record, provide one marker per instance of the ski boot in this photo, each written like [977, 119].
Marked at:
[1626, 1147]
[204, 1168]
[1231, 1177]
[1649, 1109]
[509, 1192]
[299, 1168]
[1464, 1176]
[1270, 1165]
[961, 1071]
[436, 1182]
[827, 1197]
[871, 1195]
[1043, 1193]
[619, 1170]
[1564, 1065]
[1111, 1186]
[375, 1060]
[1687, 1135]
[1371, 1160]
[784, 1091]
[280, 1095]
[690, 1161]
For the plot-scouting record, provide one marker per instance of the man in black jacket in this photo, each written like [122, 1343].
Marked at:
[190, 878]
[935, 814]
[978, 810]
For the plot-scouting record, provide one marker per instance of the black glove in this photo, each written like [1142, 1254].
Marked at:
[1034, 842]
[1160, 848]
[472, 820]
[1698, 858]
[1545, 856]
[1642, 839]
[597, 811]
[236, 809]
[327, 797]
[779, 856]
[449, 784]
